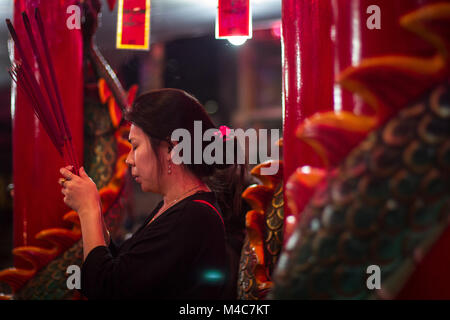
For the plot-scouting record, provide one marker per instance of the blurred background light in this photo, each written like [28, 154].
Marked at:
[237, 41]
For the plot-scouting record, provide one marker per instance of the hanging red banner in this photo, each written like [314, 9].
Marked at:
[133, 24]
[233, 19]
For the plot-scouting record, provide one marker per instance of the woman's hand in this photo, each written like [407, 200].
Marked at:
[80, 192]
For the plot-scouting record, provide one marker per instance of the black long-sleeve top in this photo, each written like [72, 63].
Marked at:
[180, 255]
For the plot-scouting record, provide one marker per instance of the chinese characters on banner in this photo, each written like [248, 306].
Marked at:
[133, 24]
[233, 19]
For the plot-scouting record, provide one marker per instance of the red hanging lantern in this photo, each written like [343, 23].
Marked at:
[111, 4]
[233, 19]
[133, 24]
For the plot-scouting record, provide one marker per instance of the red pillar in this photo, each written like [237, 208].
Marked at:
[307, 75]
[38, 200]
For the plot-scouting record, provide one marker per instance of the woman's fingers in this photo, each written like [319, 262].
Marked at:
[67, 174]
[62, 182]
[83, 173]
[65, 191]
[80, 192]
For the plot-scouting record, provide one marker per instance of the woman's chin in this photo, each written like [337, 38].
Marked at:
[146, 188]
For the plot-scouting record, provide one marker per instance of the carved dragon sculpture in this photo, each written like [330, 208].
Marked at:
[381, 199]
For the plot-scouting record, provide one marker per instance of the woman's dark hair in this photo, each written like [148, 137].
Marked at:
[159, 112]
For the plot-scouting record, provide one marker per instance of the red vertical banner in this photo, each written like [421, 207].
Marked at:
[233, 19]
[133, 24]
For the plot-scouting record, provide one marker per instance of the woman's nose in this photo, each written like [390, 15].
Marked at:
[129, 160]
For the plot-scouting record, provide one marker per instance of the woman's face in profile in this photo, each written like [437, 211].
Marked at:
[142, 160]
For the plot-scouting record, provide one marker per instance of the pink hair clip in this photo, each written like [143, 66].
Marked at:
[224, 133]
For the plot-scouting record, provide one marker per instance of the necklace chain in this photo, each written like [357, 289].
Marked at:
[173, 202]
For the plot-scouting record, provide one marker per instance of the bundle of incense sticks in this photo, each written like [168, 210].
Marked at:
[47, 105]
